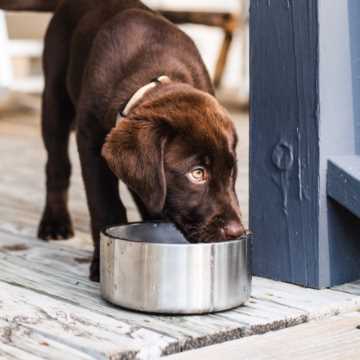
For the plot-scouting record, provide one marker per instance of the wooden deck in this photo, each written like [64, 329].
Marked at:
[336, 338]
[49, 308]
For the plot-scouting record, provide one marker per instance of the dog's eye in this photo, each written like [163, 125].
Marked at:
[198, 175]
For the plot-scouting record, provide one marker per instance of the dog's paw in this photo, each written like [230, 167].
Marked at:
[55, 227]
[95, 270]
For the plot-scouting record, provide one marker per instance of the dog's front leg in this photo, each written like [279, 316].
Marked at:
[102, 191]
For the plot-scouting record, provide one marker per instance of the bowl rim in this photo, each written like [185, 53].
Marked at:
[104, 232]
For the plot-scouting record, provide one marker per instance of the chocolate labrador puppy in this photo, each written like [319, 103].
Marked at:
[168, 139]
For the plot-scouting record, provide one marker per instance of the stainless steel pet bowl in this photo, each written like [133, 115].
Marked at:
[150, 267]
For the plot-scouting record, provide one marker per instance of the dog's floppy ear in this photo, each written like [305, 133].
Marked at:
[134, 150]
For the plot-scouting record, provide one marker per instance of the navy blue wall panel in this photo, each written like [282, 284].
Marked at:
[284, 145]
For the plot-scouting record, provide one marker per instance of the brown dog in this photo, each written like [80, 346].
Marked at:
[175, 147]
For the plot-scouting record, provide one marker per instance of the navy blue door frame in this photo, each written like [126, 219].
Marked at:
[304, 140]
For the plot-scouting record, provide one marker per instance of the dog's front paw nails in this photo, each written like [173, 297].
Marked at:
[55, 227]
[95, 270]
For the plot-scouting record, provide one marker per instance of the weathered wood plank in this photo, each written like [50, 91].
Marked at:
[316, 304]
[18, 239]
[350, 288]
[19, 341]
[337, 338]
[30, 320]
[66, 258]
[19, 234]
[8, 352]
[273, 306]
[72, 288]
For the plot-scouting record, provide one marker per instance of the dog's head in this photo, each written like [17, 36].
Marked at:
[177, 152]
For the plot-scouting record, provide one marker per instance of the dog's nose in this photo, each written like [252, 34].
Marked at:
[233, 230]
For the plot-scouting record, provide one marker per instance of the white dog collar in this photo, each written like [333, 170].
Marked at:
[139, 94]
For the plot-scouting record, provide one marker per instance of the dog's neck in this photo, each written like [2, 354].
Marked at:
[140, 93]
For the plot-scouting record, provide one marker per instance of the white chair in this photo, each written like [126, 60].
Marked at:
[5, 61]
[21, 48]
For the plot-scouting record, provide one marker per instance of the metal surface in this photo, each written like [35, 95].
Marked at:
[150, 267]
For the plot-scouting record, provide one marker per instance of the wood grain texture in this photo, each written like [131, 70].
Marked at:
[284, 147]
[46, 298]
[337, 338]
[32, 318]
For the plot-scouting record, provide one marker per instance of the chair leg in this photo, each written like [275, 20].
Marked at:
[222, 58]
